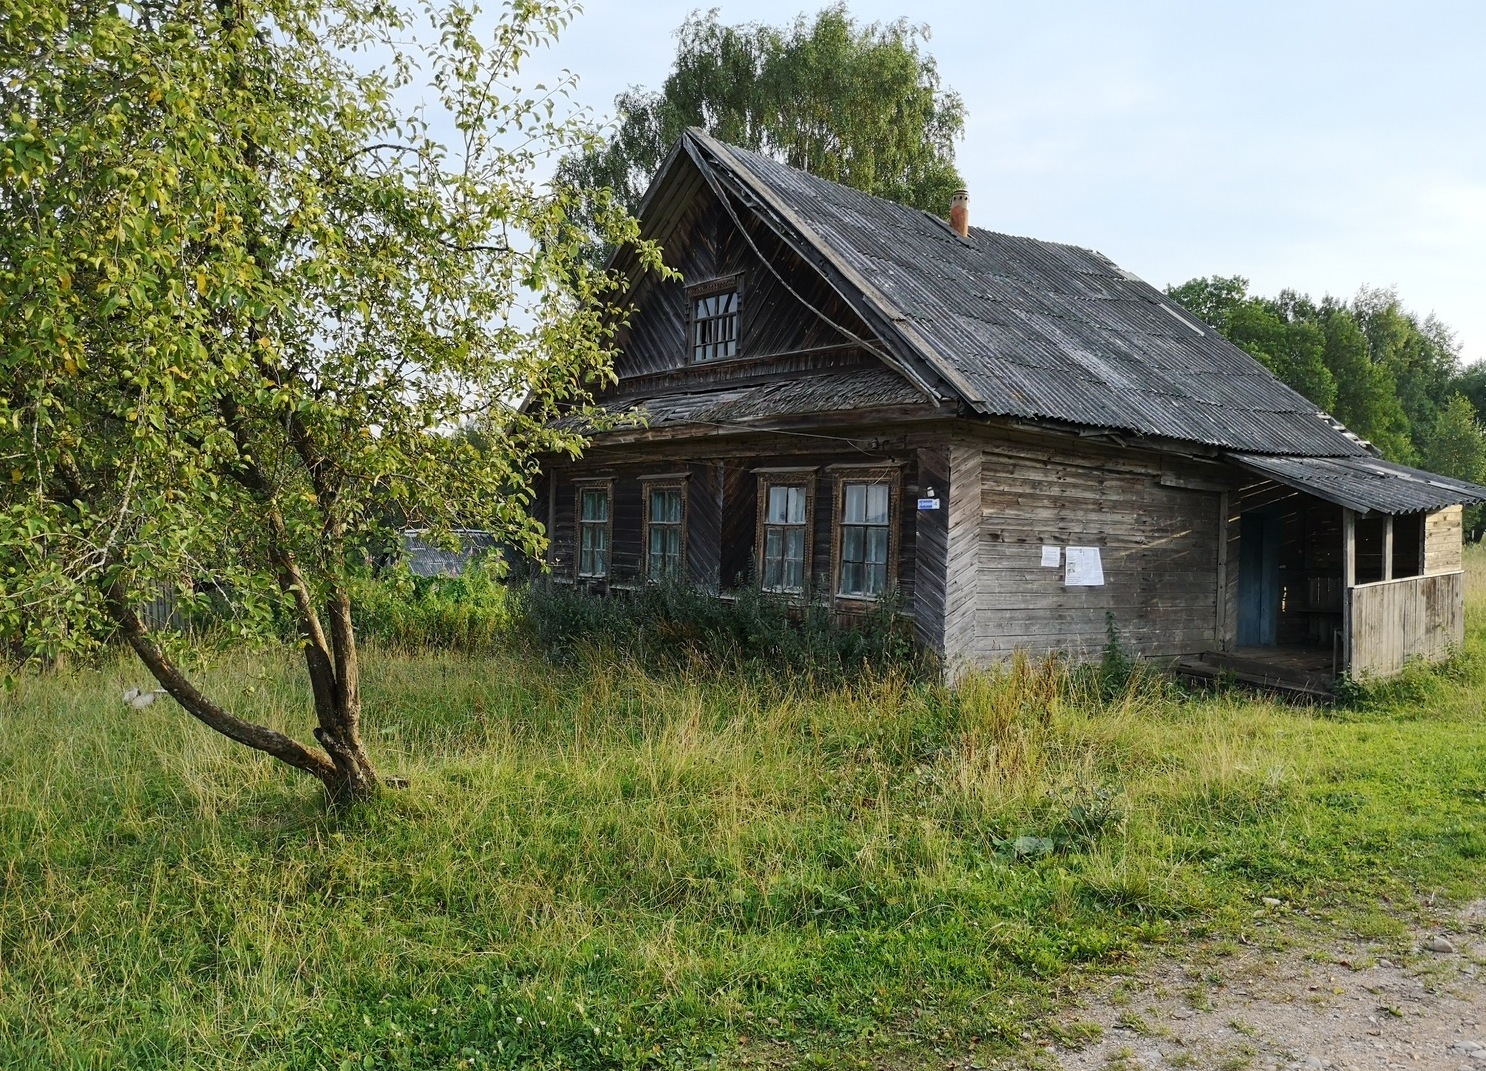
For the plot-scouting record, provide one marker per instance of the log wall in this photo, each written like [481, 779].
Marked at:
[721, 511]
[1157, 523]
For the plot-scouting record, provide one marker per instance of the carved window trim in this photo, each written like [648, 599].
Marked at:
[648, 486]
[892, 477]
[767, 480]
[695, 295]
[605, 526]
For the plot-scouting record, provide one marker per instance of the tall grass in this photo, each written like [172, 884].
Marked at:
[604, 865]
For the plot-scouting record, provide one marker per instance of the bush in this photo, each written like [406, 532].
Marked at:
[671, 622]
[471, 612]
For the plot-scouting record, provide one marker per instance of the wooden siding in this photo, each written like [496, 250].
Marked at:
[1397, 620]
[771, 320]
[1158, 536]
[961, 591]
[739, 511]
[1444, 533]
[929, 551]
[704, 512]
[722, 504]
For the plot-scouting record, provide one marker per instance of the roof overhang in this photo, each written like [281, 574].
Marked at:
[1364, 484]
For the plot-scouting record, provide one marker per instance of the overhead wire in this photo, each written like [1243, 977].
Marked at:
[869, 345]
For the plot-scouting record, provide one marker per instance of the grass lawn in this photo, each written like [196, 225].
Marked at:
[599, 868]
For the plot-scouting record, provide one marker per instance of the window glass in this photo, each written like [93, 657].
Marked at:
[784, 565]
[595, 505]
[864, 539]
[593, 532]
[714, 326]
[663, 542]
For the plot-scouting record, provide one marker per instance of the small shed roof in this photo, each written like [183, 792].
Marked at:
[1365, 484]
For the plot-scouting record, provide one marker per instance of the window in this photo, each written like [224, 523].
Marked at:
[784, 533]
[864, 539]
[665, 529]
[593, 531]
[714, 323]
[866, 501]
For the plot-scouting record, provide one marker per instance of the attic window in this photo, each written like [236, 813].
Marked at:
[714, 320]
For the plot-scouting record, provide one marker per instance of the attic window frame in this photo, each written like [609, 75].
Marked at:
[695, 293]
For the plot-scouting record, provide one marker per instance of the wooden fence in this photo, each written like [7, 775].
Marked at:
[1394, 621]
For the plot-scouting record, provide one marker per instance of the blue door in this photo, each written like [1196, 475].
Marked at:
[1258, 578]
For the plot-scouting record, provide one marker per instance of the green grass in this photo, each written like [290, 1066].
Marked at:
[599, 867]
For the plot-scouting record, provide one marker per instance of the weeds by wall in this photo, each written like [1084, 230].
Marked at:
[671, 623]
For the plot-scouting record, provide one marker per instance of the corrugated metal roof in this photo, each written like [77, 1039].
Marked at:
[1365, 484]
[1034, 329]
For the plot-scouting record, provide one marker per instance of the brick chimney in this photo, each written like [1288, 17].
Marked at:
[959, 213]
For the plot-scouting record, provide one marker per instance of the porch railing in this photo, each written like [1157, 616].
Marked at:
[1393, 621]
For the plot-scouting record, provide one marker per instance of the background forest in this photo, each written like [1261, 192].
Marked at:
[1390, 376]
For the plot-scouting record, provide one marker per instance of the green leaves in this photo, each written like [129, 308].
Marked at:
[860, 105]
[238, 280]
[1378, 368]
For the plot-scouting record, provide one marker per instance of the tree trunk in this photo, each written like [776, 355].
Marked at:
[179, 687]
[343, 768]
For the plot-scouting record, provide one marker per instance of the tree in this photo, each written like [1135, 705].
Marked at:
[1280, 333]
[1366, 393]
[1456, 446]
[1421, 355]
[1471, 382]
[244, 301]
[1345, 359]
[858, 105]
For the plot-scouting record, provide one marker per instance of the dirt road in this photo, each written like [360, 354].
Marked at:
[1416, 1000]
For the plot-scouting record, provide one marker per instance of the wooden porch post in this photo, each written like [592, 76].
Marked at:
[1388, 547]
[1220, 637]
[1349, 581]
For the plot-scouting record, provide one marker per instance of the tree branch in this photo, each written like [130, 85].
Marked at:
[259, 737]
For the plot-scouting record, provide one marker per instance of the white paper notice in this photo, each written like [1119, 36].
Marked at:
[1084, 568]
[1052, 557]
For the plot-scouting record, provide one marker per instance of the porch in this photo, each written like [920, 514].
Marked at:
[1305, 671]
[1336, 568]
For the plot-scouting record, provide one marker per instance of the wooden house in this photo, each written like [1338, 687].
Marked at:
[843, 397]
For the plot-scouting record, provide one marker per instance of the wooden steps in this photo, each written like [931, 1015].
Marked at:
[1297, 671]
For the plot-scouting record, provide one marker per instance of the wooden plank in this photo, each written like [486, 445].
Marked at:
[1396, 621]
[1444, 531]
[1159, 541]
[931, 542]
[1220, 594]
[1349, 579]
[961, 587]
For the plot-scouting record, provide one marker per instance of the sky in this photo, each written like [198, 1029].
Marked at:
[1312, 145]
